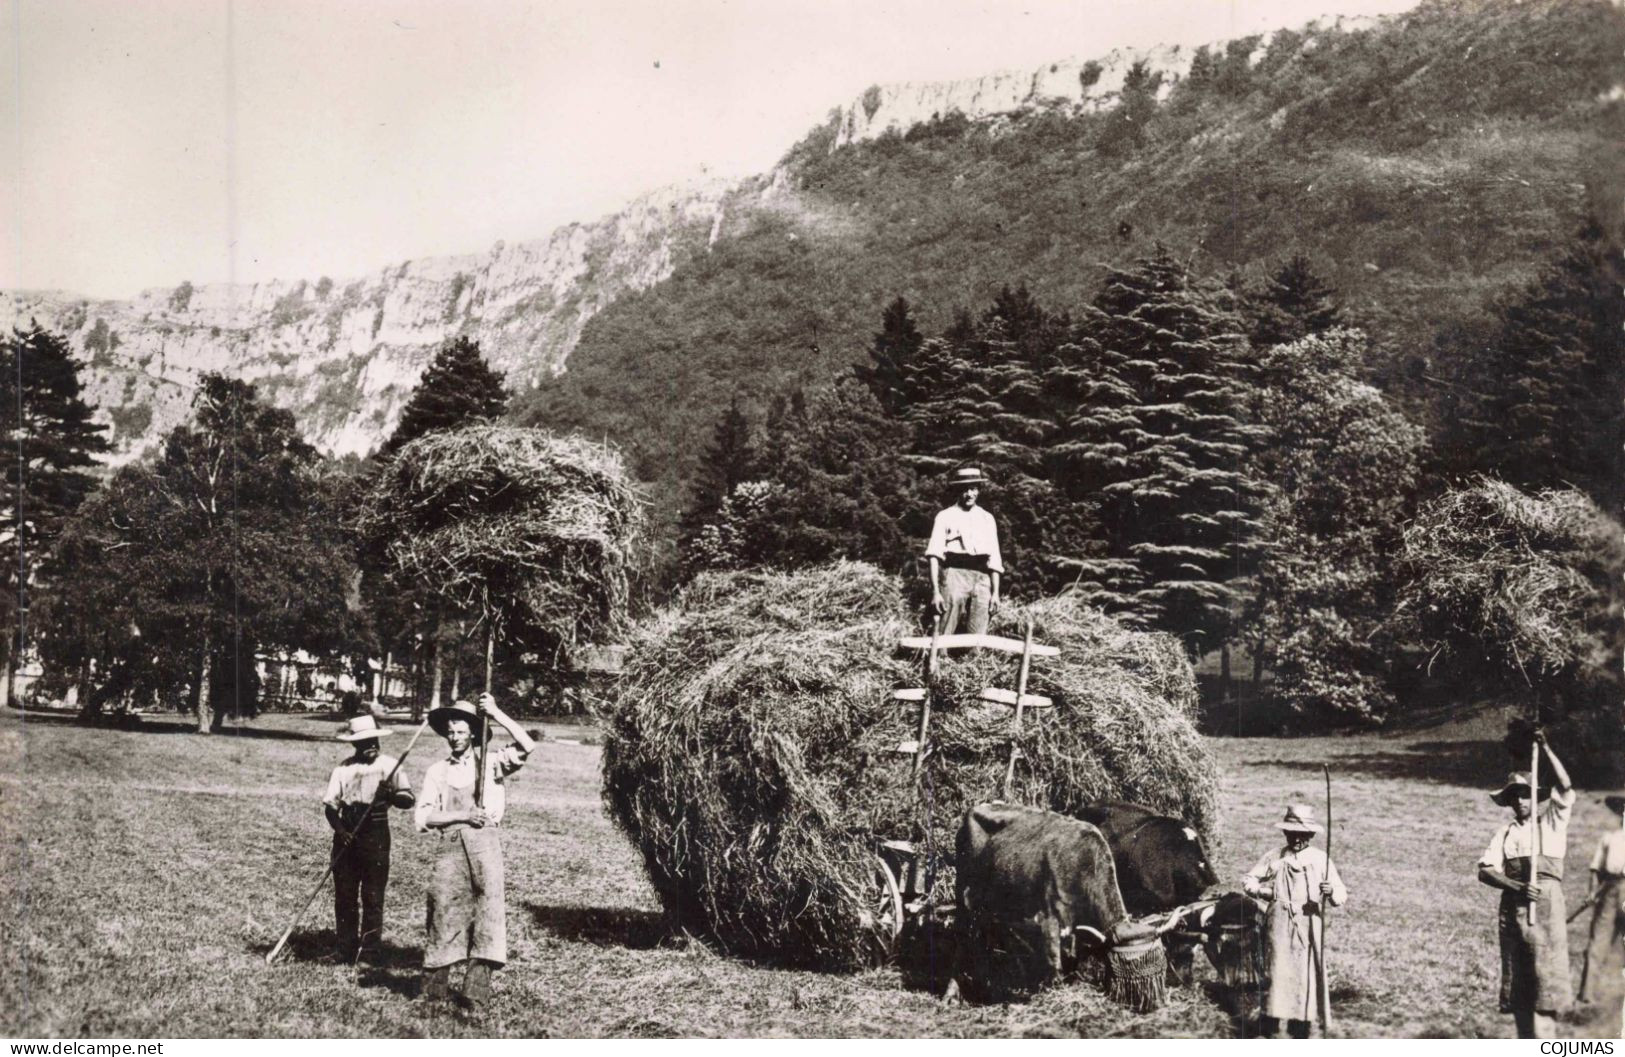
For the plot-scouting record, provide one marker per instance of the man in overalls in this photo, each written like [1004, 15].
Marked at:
[358, 811]
[1535, 985]
[964, 557]
[467, 916]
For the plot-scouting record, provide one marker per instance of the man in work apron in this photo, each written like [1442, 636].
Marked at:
[467, 919]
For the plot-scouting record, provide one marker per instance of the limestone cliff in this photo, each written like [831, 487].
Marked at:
[1074, 83]
[344, 355]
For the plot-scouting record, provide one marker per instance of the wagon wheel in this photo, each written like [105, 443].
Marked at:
[886, 909]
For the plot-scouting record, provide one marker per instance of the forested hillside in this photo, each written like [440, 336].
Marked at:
[1428, 168]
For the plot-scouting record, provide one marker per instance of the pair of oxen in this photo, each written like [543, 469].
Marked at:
[1038, 894]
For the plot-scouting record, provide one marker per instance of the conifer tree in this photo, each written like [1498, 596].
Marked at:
[1549, 412]
[729, 460]
[1292, 304]
[890, 353]
[1158, 444]
[48, 447]
[457, 388]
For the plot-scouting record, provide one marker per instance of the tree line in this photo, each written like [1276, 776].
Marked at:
[1197, 456]
[163, 583]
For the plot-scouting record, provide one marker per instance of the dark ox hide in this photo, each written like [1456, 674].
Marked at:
[1161, 864]
[1025, 879]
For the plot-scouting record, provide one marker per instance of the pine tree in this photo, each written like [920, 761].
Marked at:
[50, 442]
[729, 460]
[1158, 443]
[892, 350]
[1292, 304]
[458, 387]
[1549, 414]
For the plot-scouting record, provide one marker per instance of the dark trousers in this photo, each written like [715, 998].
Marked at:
[360, 877]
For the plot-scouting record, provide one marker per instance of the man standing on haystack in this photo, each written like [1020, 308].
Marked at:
[1608, 896]
[964, 557]
[467, 916]
[1534, 955]
[358, 811]
[1296, 883]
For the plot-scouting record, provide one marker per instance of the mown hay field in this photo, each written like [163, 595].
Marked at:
[147, 873]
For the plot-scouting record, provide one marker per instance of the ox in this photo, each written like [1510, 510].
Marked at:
[1027, 881]
[1161, 865]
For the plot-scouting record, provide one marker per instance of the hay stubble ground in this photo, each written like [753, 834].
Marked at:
[147, 873]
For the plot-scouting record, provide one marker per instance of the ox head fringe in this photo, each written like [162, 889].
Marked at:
[1137, 975]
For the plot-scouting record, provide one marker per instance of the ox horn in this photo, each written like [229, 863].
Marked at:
[1093, 933]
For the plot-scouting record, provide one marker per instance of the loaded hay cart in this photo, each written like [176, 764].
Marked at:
[752, 750]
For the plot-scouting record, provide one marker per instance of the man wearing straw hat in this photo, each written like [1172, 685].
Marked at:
[963, 553]
[354, 806]
[1607, 894]
[1534, 953]
[1295, 882]
[467, 917]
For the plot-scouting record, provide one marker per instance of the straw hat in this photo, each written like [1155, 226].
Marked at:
[1616, 804]
[966, 477]
[439, 717]
[361, 728]
[1300, 818]
[1516, 780]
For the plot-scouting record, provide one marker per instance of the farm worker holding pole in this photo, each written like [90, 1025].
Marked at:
[1295, 882]
[1607, 894]
[1534, 956]
[467, 916]
[358, 811]
[964, 557]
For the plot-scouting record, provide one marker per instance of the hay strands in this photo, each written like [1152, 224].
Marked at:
[986, 642]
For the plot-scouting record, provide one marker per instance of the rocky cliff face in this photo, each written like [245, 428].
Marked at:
[1074, 84]
[344, 355]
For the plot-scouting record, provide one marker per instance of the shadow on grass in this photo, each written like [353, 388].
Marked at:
[1472, 764]
[637, 930]
[168, 723]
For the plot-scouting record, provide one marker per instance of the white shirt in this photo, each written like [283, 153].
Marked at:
[960, 531]
[357, 783]
[1516, 840]
[456, 775]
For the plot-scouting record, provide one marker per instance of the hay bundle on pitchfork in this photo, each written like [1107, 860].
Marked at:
[531, 531]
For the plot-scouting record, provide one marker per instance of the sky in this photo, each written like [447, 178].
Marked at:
[153, 141]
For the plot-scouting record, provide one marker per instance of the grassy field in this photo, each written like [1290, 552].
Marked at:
[148, 872]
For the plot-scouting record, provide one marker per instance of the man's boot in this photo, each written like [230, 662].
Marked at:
[477, 986]
[437, 985]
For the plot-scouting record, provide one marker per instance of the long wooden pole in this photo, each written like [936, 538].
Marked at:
[383, 790]
[1021, 692]
[1534, 820]
[485, 721]
[930, 688]
[1324, 1004]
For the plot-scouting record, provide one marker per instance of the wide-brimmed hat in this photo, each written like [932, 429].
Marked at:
[438, 718]
[1515, 781]
[1616, 804]
[966, 477]
[1300, 818]
[362, 728]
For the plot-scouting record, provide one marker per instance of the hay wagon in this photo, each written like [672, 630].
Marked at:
[904, 887]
